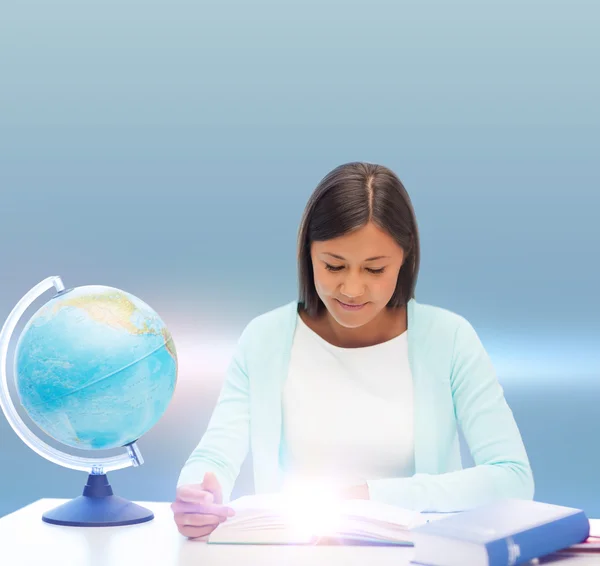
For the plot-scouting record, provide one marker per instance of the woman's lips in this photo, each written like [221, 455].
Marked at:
[348, 307]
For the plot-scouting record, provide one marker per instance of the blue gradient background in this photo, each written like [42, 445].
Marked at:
[169, 148]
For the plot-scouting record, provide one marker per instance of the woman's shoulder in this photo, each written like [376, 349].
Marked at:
[442, 326]
[428, 315]
[277, 320]
[281, 314]
[443, 330]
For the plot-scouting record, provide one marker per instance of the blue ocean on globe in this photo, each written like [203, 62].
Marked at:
[95, 368]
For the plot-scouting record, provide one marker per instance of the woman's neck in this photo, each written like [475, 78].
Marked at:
[388, 324]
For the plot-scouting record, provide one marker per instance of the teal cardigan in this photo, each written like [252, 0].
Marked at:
[455, 385]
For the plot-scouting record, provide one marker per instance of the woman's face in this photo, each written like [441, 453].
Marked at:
[360, 268]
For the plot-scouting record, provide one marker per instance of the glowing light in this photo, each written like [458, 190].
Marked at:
[311, 506]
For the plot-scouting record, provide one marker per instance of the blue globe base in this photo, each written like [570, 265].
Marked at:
[97, 507]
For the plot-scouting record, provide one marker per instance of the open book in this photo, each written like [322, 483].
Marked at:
[279, 519]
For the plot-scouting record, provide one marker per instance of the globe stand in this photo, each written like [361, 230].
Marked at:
[97, 507]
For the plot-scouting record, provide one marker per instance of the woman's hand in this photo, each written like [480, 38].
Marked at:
[198, 508]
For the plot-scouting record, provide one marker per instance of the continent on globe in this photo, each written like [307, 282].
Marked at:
[111, 307]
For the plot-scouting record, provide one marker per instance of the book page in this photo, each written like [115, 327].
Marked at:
[381, 513]
[260, 516]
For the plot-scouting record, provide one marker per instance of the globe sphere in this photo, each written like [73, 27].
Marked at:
[95, 368]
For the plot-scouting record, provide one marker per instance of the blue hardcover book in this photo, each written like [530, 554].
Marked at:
[504, 533]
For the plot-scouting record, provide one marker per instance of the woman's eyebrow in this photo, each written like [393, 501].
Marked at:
[368, 259]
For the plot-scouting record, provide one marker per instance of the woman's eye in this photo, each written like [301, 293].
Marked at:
[340, 267]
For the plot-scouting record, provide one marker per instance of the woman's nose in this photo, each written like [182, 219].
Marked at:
[352, 288]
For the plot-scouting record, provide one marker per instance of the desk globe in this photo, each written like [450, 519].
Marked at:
[95, 368]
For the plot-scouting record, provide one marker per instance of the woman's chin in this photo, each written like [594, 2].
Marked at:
[351, 318]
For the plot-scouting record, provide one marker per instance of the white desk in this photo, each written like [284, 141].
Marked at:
[25, 540]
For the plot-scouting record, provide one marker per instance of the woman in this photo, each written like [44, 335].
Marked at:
[356, 381]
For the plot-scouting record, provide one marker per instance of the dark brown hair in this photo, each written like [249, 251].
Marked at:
[346, 199]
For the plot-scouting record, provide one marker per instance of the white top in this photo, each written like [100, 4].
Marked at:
[348, 412]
